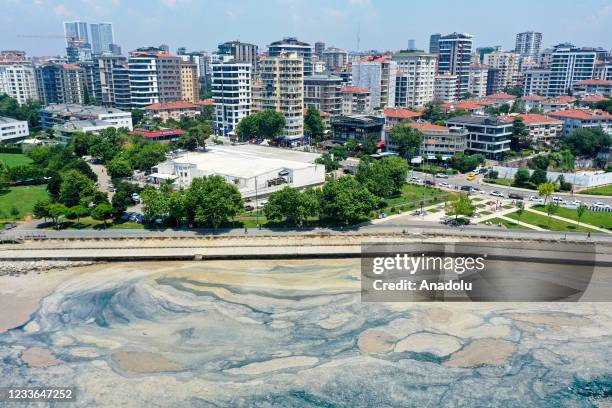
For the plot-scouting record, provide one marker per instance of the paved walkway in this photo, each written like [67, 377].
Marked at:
[570, 221]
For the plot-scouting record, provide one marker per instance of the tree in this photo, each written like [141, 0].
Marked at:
[330, 161]
[247, 128]
[406, 139]
[176, 206]
[212, 201]
[551, 208]
[538, 177]
[122, 198]
[118, 168]
[546, 190]
[102, 212]
[41, 209]
[384, 178]
[540, 162]
[580, 211]
[56, 212]
[137, 116]
[520, 135]
[74, 187]
[77, 211]
[154, 203]
[291, 204]
[148, 156]
[521, 177]
[461, 205]
[493, 175]
[587, 141]
[346, 200]
[464, 163]
[313, 125]
[270, 123]
[520, 209]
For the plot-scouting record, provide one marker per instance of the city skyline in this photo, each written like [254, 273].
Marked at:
[381, 25]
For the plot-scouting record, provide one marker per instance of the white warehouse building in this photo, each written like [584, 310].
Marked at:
[255, 170]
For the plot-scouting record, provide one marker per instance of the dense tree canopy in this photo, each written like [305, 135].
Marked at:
[313, 125]
[406, 139]
[587, 142]
[292, 205]
[384, 177]
[346, 200]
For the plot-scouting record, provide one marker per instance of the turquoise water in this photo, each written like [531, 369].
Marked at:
[296, 334]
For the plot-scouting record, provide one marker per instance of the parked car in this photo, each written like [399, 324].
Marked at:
[471, 177]
[415, 180]
[515, 196]
[249, 207]
[559, 200]
[601, 205]
[496, 194]
[9, 225]
[444, 184]
[477, 190]
[456, 222]
[430, 182]
[466, 188]
[576, 203]
[441, 175]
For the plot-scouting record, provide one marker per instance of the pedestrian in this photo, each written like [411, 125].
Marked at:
[589, 235]
[246, 229]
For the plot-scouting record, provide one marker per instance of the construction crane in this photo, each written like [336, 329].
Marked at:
[50, 37]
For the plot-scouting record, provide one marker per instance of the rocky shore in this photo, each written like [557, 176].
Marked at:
[24, 267]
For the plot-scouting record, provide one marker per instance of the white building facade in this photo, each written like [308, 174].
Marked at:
[18, 81]
[231, 89]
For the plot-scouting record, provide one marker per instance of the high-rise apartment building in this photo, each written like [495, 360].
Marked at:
[378, 75]
[477, 85]
[445, 89]
[76, 31]
[201, 59]
[242, 52]
[508, 65]
[18, 81]
[528, 44]
[434, 43]
[323, 92]
[112, 82]
[356, 101]
[568, 65]
[102, 37]
[155, 77]
[190, 88]
[319, 48]
[455, 58]
[292, 45]
[282, 79]
[335, 59]
[61, 83]
[231, 89]
[536, 81]
[416, 73]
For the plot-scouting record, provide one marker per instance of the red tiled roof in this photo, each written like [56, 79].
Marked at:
[205, 102]
[171, 106]
[594, 82]
[424, 127]
[594, 98]
[354, 90]
[373, 58]
[158, 133]
[532, 98]
[401, 113]
[500, 96]
[563, 99]
[71, 66]
[581, 114]
[532, 119]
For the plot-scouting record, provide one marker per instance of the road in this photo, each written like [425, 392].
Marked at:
[461, 180]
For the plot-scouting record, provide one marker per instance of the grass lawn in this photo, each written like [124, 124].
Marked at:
[90, 223]
[22, 199]
[603, 191]
[507, 224]
[555, 225]
[433, 210]
[486, 212]
[598, 219]
[14, 159]
[506, 207]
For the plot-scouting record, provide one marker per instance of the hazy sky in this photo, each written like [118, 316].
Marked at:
[384, 24]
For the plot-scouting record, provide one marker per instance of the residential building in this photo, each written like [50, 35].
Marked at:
[394, 116]
[242, 52]
[256, 94]
[377, 74]
[77, 51]
[112, 82]
[434, 43]
[155, 77]
[357, 127]
[603, 70]
[487, 135]
[587, 87]
[528, 44]
[231, 89]
[190, 88]
[561, 102]
[569, 65]
[543, 130]
[61, 83]
[172, 110]
[323, 92]
[536, 81]
[203, 61]
[63, 132]
[282, 79]
[335, 59]
[102, 37]
[446, 87]
[18, 81]
[12, 130]
[477, 83]
[484, 51]
[415, 78]
[500, 99]
[438, 141]
[57, 114]
[508, 65]
[319, 48]
[356, 101]
[455, 59]
[10, 57]
[533, 102]
[318, 67]
[76, 31]
[291, 45]
[583, 118]
[492, 81]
